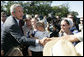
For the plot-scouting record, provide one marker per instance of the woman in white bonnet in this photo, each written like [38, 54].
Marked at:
[66, 24]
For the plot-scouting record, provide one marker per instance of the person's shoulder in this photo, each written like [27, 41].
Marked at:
[9, 17]
[9, 21]
[46, 32]
[38, 32]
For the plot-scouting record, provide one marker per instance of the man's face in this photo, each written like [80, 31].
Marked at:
[18, 13]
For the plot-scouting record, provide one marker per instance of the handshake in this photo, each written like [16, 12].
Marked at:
[44, 41]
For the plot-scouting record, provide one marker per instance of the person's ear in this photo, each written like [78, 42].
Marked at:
[13, 13]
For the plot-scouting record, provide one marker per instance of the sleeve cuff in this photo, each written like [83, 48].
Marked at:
[37, 41]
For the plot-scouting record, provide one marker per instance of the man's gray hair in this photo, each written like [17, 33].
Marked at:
[12, 8]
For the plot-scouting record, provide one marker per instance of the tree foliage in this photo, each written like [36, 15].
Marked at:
[38, 7]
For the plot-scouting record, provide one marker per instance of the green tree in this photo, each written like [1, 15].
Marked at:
[61, 10]
[39, 7]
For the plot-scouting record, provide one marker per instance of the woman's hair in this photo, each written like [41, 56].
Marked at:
[67, 22]
[41, 24]
[3, 13]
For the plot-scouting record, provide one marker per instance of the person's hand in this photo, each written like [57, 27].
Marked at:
[47, 40]
[44, 41]
[61, 31]
[2, 53]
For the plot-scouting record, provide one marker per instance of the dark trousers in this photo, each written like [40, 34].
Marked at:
[37, 53]
[25, 50]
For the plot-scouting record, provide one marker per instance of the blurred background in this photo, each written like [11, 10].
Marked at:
[61, 8]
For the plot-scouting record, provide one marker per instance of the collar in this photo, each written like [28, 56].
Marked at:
[17, 21]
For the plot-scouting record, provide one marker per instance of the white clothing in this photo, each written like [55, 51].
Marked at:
[2, 26]
[79, 35]
[39, 35]
[17, 21]
[80, 26]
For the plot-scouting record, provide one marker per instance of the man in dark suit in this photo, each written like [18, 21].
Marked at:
[12, 35]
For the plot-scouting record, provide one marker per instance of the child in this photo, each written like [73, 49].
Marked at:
[40, 34]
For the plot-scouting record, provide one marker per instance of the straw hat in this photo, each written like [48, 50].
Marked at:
[59, 48]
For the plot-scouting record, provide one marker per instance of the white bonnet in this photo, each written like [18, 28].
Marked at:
[70, 21]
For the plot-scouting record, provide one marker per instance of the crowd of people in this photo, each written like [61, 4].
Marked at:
[31, 33]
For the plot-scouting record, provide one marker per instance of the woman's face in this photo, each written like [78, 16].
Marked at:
[28, 22]
[64, 25]
[33, 22]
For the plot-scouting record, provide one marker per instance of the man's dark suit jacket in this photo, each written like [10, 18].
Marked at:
[12, 35]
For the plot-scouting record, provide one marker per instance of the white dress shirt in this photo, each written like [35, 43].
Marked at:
[17, 21]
